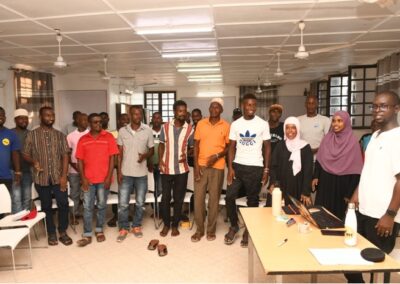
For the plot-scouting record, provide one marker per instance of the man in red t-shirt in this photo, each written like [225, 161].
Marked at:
[95, 154]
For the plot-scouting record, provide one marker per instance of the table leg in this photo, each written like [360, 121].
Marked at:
[378, 277]
[251, 260]
[314, 278]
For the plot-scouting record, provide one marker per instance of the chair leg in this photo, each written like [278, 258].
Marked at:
[30, 251]
[35, 232]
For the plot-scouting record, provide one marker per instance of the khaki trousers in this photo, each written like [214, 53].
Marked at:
[211, 181]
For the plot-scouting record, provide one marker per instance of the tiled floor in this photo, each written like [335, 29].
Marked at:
[130, 261]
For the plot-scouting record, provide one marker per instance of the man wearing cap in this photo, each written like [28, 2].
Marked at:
[9, 151]
[275, 126]
[22, 192]
[211, 141]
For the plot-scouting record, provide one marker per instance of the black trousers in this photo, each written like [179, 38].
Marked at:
[249, 178]
[177, 185]
[366, 228]
[46, 195]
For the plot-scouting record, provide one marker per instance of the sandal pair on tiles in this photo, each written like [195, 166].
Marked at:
[155, 244]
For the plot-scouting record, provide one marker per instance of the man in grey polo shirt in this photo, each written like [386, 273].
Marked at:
[136, 144]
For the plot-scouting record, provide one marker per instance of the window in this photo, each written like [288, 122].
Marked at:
[362, 92]
[162, 102]
[338, 93]
[32, 91]
[322, 94]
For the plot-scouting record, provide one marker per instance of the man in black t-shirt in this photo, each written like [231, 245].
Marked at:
[275, 126]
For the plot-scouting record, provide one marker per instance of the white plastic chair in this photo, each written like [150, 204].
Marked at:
[11, 238]
[5, 207]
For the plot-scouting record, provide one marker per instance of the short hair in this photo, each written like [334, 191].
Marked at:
[179, 103]
[75, 114]
[197, 110]
[82, 114]
[44, 108]
[249, 96]
[135, 107]
[103, 113]
[92, 115]
[312, 97]
[155, 113]
[2, 109]
[392, 94]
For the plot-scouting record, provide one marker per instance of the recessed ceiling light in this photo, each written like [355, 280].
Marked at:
[189, 54]
[205, 80]
[205, 69]
[173, 30]
[205, 76]
[197, 64]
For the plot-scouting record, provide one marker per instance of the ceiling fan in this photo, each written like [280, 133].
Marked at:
[104, 74]
[279, 72]
[59, 63]
[302, 53]
[258, 90]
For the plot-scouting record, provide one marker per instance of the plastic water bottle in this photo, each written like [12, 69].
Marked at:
[276, 200]
[350, 237]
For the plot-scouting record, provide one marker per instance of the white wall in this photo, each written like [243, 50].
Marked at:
[7, 96]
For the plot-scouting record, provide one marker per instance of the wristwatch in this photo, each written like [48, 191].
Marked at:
[391, 213]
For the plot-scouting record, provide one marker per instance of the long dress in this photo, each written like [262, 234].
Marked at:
[333, 189]
[281, 171]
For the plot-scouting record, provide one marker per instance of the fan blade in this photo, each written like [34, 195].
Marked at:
[332, 48]
[147, 84]
[102, 73]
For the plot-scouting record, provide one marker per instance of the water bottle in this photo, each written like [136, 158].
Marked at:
[276, 200]
[350, 237]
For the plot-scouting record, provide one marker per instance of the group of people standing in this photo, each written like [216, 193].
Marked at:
[304, 154]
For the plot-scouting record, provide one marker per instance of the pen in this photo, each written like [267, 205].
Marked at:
[282, 243]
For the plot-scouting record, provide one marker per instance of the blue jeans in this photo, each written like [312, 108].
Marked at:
[21, 193]
[124, 195]
[75, 192]
[95, 190]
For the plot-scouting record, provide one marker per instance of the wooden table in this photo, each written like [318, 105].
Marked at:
[294, 256]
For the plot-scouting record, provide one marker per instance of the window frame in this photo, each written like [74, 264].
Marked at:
[161, 105]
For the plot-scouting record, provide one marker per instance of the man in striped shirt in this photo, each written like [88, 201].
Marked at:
[47, 150]
[175, 137]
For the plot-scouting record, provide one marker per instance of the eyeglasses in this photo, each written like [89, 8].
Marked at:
[382, 107]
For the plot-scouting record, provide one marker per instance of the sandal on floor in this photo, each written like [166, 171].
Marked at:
[211, 237]
[196, 237]
[52, 240]
[100, 237]
[230, 236]
[162, 250]
[65, 239]
[84, 241]
[153, 244]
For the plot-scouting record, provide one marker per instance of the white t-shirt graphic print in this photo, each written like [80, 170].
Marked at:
[249, 136]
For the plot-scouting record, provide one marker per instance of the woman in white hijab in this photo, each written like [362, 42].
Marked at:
[292, 164]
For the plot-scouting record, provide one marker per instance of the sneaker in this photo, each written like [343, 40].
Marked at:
[137, 231]
[122, 235]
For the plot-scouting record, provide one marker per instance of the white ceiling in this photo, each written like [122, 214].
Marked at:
[246, 36]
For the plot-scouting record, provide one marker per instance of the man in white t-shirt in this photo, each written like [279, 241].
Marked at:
[378, 193]
[313, 126]
[73, 174]
[248, 160]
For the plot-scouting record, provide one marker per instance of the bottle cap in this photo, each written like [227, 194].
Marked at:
[352, 206]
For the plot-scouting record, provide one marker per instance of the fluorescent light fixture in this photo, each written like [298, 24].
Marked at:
[189, 54]
[210, 94]
[204, 76]
[173, 30]
[205, 69]
[197, 64]
[205, 80]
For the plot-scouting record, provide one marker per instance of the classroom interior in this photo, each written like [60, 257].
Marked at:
[104, 55]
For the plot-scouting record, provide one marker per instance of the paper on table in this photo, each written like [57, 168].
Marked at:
[336, 256]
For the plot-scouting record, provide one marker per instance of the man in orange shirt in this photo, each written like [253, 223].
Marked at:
[211, 144]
